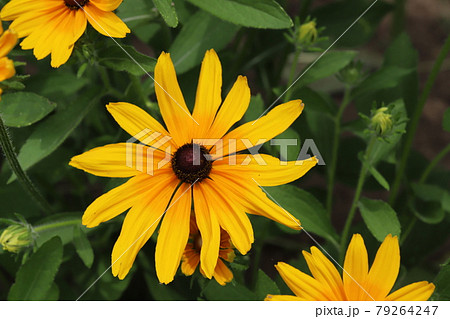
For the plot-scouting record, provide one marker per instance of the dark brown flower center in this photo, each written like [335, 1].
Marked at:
[75, 4]
[191, 164]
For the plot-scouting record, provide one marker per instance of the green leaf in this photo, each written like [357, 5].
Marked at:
[230, 292]
[255, 109]
[126, 58]
[82, 246]
[49, 134]
[446, 120]
[24, 108]
[427, 211]
[264, 14]
[265, 286]
[35, 278]
[442, 283]
[53, 293]
[167, 11]
[330, 63]
[378, 177]
[306, 208]
[428, 192]
[379, 217]
[200, 33]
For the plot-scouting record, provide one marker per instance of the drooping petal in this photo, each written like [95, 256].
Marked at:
[7, 41]
[231, 216]
[106, 22]
[262, 130]
[418, 291]
[255, 200]
[121, 160]
[191, 259]
[356, 268]
[384, 271]
[301, 284]
[171, 102]
[266, 170]
[140, 223]
[7, 69]
[324, 271]
[107, 5]
[222, 274]
[173, 235]
[139, 124]
[116, 201]
[232, 109]
[208, 98]
[208, 225]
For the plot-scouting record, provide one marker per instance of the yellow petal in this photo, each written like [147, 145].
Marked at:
[222, 274]
[117, 200]
[107, 5]
[262, 130]
[301, 284]
[139, 124]
[16, 8]
[384, 270]
[7, 41]
[140, 223]
[173, 235]
[231, 216]
[208, 98]
[265, 169]
[30, 21]
[106, 22]
[418, 291]
[121, 160]
[356, 268]
[191, 259]
[283, 298]
[253, 199]
[324, 271]
[232, 109]
[6, 69]
[208, 225]
[171, 102]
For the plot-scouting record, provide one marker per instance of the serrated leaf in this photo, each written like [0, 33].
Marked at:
[200, 33]
[24, 108]
[35, 278]
[82, 246]
[167, 11]
[379, 218]
[265, 286]
[442, 282]
[265, 14]
[126, 58]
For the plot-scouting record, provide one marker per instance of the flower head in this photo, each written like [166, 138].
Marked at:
[16, 237]
[53, 26]
[195, 162]
[359, 283]
[192, 252]
[382, 121]
[8, 40]
[307, 33]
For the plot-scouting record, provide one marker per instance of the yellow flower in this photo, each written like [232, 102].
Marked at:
[190, 171]
[8, 40]
[53, 26]
[359, 283]
[192, 252]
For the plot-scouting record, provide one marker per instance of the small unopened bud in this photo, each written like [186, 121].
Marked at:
[381, 121]
[16, 237]
[352, 74]
[307, 33]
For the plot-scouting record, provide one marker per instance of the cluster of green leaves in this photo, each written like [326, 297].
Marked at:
[54, 114]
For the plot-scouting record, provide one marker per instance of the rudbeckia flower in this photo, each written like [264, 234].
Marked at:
[53, 26]
[359, 283]
[8, 40]
[194, 162]
[191, 255]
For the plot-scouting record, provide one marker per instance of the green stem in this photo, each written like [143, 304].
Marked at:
[399, 17]
[288, 94]
[65, 223]
[138, 87]
[304, 9]
[334, 152]
[412, 127]
[22, 177]
[359, 187]
[107, 83]
[433, 163]
[409, 228]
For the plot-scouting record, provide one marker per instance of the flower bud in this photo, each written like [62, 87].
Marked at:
[16, 237]
[381, 121]
[307, 33]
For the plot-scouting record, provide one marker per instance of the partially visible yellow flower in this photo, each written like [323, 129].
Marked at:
[15, 238]
[8, 40]
[307, 33]
[192, 252]
[53, 26]
[359, 283]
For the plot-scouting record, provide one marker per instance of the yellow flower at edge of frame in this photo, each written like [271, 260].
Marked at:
[8, 40]
[53, 26]
[358, 283]
[221, 194]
